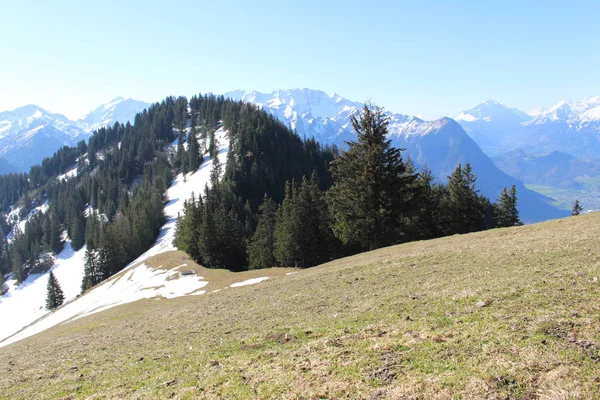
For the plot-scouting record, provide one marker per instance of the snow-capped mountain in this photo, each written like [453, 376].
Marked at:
[117, 110]
[572, 127]
[494, 126]
[30, 133]
[311, 113]
[440, 145]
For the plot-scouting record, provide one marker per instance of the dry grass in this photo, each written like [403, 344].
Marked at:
[400, 322]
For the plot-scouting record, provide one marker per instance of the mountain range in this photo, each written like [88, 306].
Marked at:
[439, 145]
[552, 147]
[29, 134]
[570, 127]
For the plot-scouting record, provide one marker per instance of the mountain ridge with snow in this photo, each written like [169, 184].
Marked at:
[30, 133]
[570, 126]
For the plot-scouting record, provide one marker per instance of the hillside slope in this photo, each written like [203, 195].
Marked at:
[23, 305]
[506, 313]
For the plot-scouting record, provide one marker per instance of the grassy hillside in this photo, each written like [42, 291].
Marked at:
[507, 313]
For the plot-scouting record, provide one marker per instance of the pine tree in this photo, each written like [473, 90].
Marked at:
[193, 153]
[577, 208]
[373, 192]
[513, 211]
[501, 215]
[54, 294]
[286, 242]
[92, 274]
[78, 232]
[427, 223]
[56, 244]
[18, 273]
[464, 210]
[302, 233]
[262, 243]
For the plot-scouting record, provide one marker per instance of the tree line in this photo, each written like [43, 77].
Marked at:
[275, 207]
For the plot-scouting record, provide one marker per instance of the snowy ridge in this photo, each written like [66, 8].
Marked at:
[118, 109]
[327, 118]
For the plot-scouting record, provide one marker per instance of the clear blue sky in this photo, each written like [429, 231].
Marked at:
[430, 58]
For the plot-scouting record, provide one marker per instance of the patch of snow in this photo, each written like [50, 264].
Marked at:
[25, 303]
[249, 281]
[43, 208]
[69, 174]
[291, 273]
[465, 117]
[140, 282]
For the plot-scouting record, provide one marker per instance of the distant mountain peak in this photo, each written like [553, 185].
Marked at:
[119, 109]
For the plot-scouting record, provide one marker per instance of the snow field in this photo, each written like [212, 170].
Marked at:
[25, 303]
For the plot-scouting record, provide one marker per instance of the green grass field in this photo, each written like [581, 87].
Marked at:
[505, 314]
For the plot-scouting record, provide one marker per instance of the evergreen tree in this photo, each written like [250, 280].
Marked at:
[262, 243]
[427, 223]
[286, 241]
[54, 294]
[577, 208]
[501, 214]
[193, 153]
[77, 233]
[464, 210]
[92, 274]
[372, 192]
[302, 233]
[56, 244]
[513, 211]
[18, 272]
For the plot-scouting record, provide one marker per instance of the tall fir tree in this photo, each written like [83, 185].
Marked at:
[54, 294]
[302, 235]
[501, 214]
[513, 211]
[262, 244]
[193, 153]
[373, 192]
[464, 210]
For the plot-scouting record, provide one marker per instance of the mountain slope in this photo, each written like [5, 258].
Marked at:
[494, 126]
[440, 145]
[506, 313]
[117, 110]
[21, 304]
[29, 134]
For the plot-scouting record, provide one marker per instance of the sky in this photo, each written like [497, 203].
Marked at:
[427, 58]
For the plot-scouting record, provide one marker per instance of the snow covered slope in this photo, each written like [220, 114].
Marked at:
[25, 303]
[117, 110]
[136, 282]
